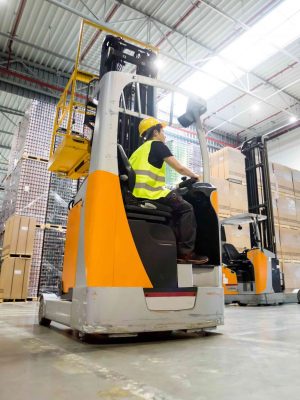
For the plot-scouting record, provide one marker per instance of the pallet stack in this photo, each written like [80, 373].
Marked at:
[17, 257]
[31, 190]
[227, 168]
[286, 207]
[228, 175]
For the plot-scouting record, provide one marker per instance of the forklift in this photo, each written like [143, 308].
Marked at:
[253, 277]
[120, 274]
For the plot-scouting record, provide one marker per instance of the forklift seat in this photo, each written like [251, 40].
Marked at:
[231, 256]
[138, 208]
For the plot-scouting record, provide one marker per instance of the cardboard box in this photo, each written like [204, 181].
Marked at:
[232, 165]
[287, 210]
[228, 163]
[19, 235]
[283, 178]
[290, 243]
[291, 275]
[214, 164]
[296, 182]
[14, 277]
[223, 194]
[238, 198]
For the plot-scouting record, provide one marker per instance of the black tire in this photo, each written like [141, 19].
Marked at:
[42, 320]
[45, 322]
[298, 296]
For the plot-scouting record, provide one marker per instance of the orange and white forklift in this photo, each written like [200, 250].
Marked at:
[253, 277]
[120, 274]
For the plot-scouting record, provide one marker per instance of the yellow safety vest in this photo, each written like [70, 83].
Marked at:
[150, 181]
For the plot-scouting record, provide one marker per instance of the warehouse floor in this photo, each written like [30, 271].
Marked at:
[255, 355]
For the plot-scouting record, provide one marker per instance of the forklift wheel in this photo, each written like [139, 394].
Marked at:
[45, 322]
[298, 296]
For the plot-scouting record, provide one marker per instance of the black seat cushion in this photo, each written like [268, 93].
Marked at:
[232, 257]
[231, 252]
[149, 211]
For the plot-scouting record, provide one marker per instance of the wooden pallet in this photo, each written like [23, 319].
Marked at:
[19, 300]
[60, 228]
[27, 256]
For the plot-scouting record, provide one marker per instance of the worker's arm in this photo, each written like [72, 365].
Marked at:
[182, 170]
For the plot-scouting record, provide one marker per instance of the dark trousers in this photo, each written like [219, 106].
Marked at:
[184, 222]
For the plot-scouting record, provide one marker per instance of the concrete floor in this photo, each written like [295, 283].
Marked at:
[256, 355]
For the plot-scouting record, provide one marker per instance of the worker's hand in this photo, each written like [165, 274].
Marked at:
[197, 177]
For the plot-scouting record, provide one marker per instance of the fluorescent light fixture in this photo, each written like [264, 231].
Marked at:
[159, 63]
[276, 30]
[293, 119]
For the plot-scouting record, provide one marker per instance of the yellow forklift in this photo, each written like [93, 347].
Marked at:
[120, 274]
[253, 277]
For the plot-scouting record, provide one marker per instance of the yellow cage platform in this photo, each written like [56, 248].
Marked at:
[71, 158]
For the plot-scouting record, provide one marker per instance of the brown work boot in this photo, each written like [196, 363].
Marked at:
[192, 258]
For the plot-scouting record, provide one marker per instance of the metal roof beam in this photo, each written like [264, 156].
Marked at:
[6, 133]
[13, 111]
[4, 60]
[16, 23]
[190, 38]
[3, 146]
[246, 27]
[9, 119]
[34, 46]
[191, 66]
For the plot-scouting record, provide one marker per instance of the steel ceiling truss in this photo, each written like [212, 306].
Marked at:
[191, 66]
[150, 19]
[44, 83]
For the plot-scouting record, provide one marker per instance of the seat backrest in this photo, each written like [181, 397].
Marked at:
[125, 168]
[231, 252]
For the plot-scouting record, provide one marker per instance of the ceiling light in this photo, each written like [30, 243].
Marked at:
[255, 107]
[276, 30]
[159, 63]
[293, 119]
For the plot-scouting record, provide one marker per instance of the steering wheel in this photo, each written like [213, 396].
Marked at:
[187, 183]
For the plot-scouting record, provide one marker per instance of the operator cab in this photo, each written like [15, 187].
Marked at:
[236, 261]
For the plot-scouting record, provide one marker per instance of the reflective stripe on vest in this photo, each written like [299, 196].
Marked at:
[150, 181]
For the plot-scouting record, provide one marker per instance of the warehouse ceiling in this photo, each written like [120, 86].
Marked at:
[254, 92]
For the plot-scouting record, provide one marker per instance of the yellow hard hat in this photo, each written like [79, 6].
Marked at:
[148, 123]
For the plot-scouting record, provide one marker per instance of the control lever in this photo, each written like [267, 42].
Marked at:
[187, 183]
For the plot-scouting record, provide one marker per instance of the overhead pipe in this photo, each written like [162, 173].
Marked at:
[280, 131]
[15, 28]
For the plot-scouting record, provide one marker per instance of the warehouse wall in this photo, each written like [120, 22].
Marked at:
[286, 149]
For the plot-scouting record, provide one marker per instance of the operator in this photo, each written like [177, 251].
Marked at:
[149, 163]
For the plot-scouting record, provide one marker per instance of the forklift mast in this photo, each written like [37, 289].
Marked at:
[115, 56]
[259, 191]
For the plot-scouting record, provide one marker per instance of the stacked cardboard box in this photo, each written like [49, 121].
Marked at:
[287, 207]
[30, 189]
[229, 164]
[227, 168]
[228, 175]
[18, 236]
[16, 256]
